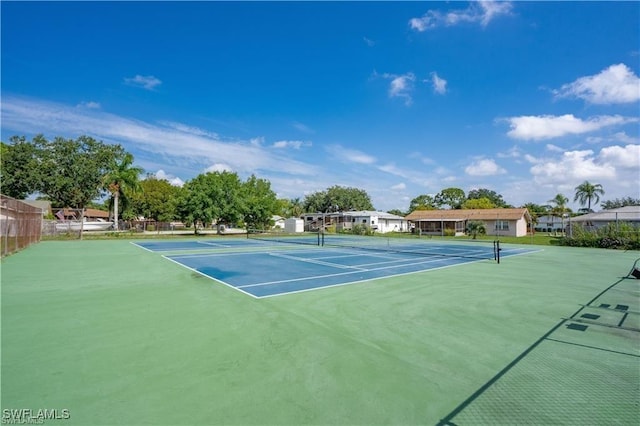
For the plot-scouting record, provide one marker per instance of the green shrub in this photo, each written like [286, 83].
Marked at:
[620, 236]
[360, 229]
[449, 232]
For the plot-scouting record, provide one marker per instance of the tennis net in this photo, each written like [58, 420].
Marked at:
[306, 238]
[476, 249]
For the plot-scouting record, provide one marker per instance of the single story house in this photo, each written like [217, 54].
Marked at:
[505, 222]
[381, 222]
[593, 221]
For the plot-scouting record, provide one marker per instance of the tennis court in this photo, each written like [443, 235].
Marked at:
[271, 269]
[117, 334]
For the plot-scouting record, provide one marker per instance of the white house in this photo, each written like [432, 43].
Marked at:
[550, 223]
[381, 222]
[378, 221]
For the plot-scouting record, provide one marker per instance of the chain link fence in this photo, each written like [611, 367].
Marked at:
[20, 225]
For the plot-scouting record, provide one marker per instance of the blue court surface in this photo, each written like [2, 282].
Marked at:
[271, 270]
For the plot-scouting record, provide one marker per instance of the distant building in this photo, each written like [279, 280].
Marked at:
[506, 222]
[278, 221]
[594, 221]
[293, 225]
[378, 221]
[550, 223]
[43, 205]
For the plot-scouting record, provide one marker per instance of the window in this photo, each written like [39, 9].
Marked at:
[502, 225]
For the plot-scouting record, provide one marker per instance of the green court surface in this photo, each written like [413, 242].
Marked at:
[119, 335]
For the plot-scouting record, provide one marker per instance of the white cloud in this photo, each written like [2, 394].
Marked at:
[513, 152]
[549, 126]
[424, 160]
[399, 187]
[350, 155]
[147, 82]
[623, 137]
[614, 85]
[616, 137]
[257, 141]
[482, 12]
[302, 127]
[369, 42]
[170, 140]
[553, 148]
[89, 105]
[219, 167]
[401, 86]
[616, 168]
[190, 129]
[173, 180]
[439, 84]
[571, 168]
[484, 167]
[290, 144]
[627, 157]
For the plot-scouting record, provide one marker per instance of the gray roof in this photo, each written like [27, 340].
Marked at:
[628, 213]
[369, 213]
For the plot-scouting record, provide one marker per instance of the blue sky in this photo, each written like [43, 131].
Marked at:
[528, 99]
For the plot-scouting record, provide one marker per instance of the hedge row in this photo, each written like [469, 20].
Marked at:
[620, 236]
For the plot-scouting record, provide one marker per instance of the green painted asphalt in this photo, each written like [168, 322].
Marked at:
[118, 335]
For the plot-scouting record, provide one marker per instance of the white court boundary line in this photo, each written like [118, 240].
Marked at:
[210, 277]
[348, 253]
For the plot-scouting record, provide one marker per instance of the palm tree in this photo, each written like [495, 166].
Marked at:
[560, 208]
[122, 176]
[475, 228]
[296, 207]
[585, 192]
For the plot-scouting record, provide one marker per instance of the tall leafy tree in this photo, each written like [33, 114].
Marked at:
[478, 203]
[586, 192]
[156, 200]
[19, 167]
[452, 197]
[260, 202]
[397, 212]
[346, 198]
[620, 202]
[212, 197]
[316, 202]
[422, 202]
[121, 178]
[338, 198]
[495, 198]
[72, 170]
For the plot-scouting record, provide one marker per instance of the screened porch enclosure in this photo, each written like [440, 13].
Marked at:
[441, 227]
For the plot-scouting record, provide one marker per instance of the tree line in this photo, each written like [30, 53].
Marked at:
[74, 173]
